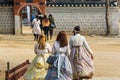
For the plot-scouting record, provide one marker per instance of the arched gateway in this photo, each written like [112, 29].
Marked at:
[20, 4]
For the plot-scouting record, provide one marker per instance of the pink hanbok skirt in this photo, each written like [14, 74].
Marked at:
[81, 61]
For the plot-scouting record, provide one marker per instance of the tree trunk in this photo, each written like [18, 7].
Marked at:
[119, 3]
[107, 17]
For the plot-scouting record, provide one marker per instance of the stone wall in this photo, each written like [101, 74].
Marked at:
[6, 19]
[91, 19]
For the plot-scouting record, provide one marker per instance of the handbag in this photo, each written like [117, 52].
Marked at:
[52, 25]
[51, 59]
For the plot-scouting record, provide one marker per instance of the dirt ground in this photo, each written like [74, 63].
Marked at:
[18, 48]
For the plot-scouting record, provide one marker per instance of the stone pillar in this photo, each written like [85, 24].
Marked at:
[119, 13]
[17, 25]
[28, 14]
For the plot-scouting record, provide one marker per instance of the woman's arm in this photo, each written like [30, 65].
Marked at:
[53, 49]
[49, 48]
[68, 50]
[35, 49]
[39, 22]
[87, 47]
[33, 22]
[70, 43]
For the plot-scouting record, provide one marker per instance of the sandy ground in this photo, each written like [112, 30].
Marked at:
[18, 48]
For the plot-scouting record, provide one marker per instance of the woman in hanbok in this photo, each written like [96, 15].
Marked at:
[81, 56]
[61, 68]
[37, 70]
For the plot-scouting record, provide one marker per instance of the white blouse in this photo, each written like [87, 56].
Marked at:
[57, 48]
[36, 28]
[39, 51]
[78, 40]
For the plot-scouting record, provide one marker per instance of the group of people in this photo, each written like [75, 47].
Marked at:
[43, 23]
[65, 60]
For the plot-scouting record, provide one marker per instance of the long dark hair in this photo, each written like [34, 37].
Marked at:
[45, 18]
[37, 17]
[76, 30]
[62, 38]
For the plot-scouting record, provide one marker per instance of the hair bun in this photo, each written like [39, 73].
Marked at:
[77, 28]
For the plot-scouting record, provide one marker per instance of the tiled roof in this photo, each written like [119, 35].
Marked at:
[80, 4]
[9, 2]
